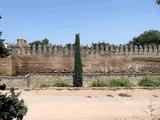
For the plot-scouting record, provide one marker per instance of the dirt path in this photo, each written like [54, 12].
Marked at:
[89, 104]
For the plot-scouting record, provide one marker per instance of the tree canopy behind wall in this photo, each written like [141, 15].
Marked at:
[4, 52]
[40, 42]
[148, 37]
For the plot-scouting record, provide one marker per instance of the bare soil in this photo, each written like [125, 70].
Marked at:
[91, 104]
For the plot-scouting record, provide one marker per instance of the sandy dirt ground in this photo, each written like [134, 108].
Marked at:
[91, 104]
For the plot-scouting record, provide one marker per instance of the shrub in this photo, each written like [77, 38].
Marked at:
[150, 82]
[121, 82]
[99, 83]
[58, 83]
[61, 84]
[44, 85]
[11, 107]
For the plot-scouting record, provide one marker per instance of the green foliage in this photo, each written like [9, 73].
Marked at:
[158, 2]
[45, 85]
[77, 76]
[69, 45]
[99, 83]
[61, 84]
[121, 82]
[99, 44]
[4, 52]
[11, 107]
[40, 42]
[150, 82]
[148, 37]
[58, 83]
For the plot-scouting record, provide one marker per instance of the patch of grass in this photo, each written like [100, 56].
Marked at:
[150, 82]
[99, 83]
[119, 82]
[58, 83]
[124, 95]
[44, 85]
[61, 84]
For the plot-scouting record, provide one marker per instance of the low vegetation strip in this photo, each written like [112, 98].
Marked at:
[150, 82]
[58, 83]
[126, 82]
[111, 83]
[120, 82]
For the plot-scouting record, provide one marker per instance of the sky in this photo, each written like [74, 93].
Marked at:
[112, 21]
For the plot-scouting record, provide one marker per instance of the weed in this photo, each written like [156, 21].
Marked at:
[120, 82]
[61, 84]
[99, 83]
[150, 82]
[44, 85]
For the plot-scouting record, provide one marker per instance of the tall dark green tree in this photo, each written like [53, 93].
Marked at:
[4, 52]
[78, 68]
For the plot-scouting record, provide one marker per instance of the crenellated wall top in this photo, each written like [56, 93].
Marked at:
[85, 50]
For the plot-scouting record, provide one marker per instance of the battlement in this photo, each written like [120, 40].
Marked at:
[107, 50]
[96, 59]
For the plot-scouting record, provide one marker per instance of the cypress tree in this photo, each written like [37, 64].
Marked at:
[77, 75]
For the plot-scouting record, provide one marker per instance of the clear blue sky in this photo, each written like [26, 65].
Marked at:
[114, 21]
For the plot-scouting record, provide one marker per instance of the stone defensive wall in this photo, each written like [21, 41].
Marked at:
[8, 66]
[96, 59]
[107, 50]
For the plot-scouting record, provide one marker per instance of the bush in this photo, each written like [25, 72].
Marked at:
[99, 83]
[120, 82]
[44, 85]
[150, 82]
[58, 83]
[11, 107]
[61, 84]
